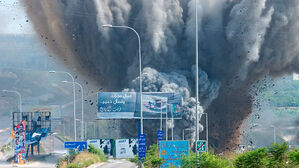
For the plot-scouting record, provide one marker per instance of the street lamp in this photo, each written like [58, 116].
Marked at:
[140, 73]
[82, 108]
[161, 112]
[20, 107]
[274, 133]
[172, 123]
[272, 126]
[196, 77]
[20, 97]
[207, 130]
[73, 81]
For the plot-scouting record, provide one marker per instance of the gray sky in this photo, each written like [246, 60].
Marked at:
[13, 18]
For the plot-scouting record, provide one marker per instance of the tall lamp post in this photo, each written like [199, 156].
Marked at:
[207, 130]
[20, 97]
[82, 108]
[186, 129]
[196, 77]
[140, 69]
[20, 107]
[73, 81]
[272, 126]
[274, 133]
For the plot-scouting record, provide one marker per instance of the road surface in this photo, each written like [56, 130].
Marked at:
[43, 161]
[114, 164]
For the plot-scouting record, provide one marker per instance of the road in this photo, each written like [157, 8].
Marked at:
[49, 160]
[114, 164]
[42, 161]
[53, 145]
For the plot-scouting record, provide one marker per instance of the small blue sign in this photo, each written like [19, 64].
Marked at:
[141, 146]
[80, 145]
[160, 134]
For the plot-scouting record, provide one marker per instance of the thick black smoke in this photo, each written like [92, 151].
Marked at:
[239, 40]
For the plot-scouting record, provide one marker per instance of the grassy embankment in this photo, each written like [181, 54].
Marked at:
[82, 159]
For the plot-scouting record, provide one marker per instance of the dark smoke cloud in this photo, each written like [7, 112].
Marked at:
[240, 42]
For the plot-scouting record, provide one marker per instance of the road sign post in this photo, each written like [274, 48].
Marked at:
[160, 134]
[201, 146]
[141, 146]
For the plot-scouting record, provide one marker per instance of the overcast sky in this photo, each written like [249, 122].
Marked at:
[13, 18]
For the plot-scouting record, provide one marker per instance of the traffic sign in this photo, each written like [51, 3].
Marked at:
[201, 145]
[141, 146]
[160, 134]
[172, 152]
[80, 145]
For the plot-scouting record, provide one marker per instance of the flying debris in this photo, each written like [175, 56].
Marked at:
[240, 41]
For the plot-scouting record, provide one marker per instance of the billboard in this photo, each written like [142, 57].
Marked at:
[126, 148]
[19, 137]
[172, 152]
[117, 105]
[105, 145]
[38, 125]
[54, 109]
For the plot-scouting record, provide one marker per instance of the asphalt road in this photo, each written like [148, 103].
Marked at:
[54, 151]
[49, 159]
[53, 145]
[115, 164]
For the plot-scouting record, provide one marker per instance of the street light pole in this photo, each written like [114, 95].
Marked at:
[74, 95]
[172, 123]
[140, 70]
[207, 130]
[82, 108]
[272, 126]
[166, 126]
[190, 129]
[274, 133]
[20, 97]
[161, 116]
[20, 107]
[196, 77]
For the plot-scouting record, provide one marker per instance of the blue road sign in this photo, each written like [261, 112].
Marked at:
[141, 146]
[80, 145]
[172, 152]
[160, 134]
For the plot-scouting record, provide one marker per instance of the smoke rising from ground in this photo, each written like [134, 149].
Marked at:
[239, 41]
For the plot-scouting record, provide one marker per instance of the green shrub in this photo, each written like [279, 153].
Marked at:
[74, 165]
[152, 158]
[277, 156]
[88, 162]
[293, 157]
[252, 159]
[134, 159]
[204, 161]
[97, 151]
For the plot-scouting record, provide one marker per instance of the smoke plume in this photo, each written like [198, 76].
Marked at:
[240, 41]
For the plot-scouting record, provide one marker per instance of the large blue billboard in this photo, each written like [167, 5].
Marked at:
[117, 105]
